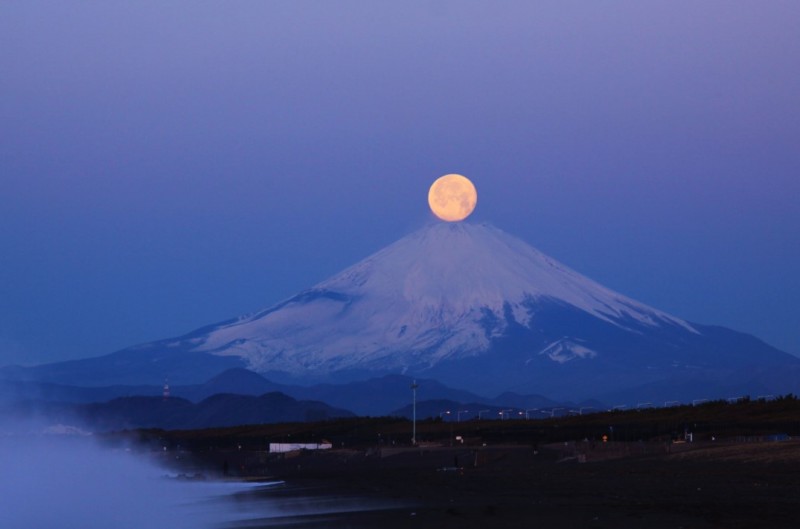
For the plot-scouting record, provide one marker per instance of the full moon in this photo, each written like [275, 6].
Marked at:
[452, 197]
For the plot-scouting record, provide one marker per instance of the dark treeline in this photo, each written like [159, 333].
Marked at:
[721, 420]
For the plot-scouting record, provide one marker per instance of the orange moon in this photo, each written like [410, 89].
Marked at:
[452, 197]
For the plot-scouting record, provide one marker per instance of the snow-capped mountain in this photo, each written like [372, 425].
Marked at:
[477, 309]
[442, 293]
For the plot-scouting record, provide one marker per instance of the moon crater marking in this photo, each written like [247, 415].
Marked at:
[452, 197]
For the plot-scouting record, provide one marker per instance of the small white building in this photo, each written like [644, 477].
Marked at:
[277, 448]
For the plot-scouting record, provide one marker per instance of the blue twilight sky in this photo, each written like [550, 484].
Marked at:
[166, 165]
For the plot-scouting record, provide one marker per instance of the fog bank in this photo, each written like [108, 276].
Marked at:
[68, 481]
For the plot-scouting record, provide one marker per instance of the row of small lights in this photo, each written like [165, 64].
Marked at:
[505, 414]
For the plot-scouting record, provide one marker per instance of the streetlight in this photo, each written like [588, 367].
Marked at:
[458, 414]
[444, 413]
[481, 412]
[527, 416]
[414, 387]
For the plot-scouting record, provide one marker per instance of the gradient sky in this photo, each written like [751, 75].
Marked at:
[166, 165]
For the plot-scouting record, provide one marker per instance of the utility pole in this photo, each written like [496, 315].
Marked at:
[414, 387]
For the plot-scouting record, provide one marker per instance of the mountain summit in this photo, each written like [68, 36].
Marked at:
[442, 293]
[477, 309]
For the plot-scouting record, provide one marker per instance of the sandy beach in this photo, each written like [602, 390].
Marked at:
[562, 485]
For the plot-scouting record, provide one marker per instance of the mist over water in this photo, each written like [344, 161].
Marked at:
[61, 477]
[69, 481]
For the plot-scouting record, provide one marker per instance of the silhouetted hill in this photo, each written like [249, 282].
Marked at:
[375, 397]
[274, 407]
[378, 396]
[220, 410]
[236, 380]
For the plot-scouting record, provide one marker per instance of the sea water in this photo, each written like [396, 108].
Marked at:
[57, 481]
[72, 482]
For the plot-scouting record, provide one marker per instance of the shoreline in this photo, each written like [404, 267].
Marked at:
[513, 486]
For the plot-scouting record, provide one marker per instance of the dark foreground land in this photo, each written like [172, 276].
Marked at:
[496, 479]
[717, 486]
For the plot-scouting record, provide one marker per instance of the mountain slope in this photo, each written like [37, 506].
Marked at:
[442, 293]
[481, 310]
[467, 305]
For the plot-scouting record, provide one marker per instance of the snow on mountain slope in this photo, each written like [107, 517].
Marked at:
[443, 292]
[470, 307]
[564, 350]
